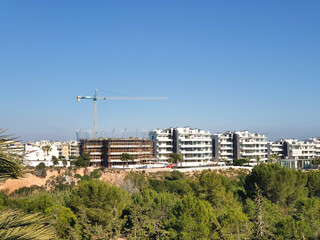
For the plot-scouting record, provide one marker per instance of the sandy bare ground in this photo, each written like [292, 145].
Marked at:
[112, 176]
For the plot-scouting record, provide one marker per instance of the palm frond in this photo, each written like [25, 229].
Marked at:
[20, 226]
[11, 156]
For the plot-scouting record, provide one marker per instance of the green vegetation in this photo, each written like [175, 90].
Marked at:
[126, 157]
[271, 202]
[10, 157]
[82, 161]
[16, 224]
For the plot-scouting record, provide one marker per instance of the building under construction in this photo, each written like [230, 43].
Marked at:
[108, 152]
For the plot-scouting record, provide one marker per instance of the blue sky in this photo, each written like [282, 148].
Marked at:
[225, 65]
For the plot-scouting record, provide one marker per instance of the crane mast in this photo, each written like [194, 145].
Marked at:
[95, 98]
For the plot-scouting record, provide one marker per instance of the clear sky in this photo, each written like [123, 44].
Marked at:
[225, 65]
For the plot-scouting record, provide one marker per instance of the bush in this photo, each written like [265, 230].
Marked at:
[40, 170]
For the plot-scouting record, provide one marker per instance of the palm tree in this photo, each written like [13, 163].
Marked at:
[46, 149]
[176, 158]
[11, 156]
[18, 225]
[274, 158]
[316, 162]
[258, 158]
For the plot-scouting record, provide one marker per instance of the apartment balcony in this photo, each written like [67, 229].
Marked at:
[226, 148]
[195, 145]
[131, 153]
[253, 154]
[195, 152]
[163, 139]
[95, 153]
[197, 158]
[164, 145]
[165, 152]
[253, 148]
[253, 142]
[205, 139]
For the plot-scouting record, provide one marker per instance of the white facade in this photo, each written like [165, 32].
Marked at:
[240, 144]
[297, 149]
[316, 141]
[276, 148]
[251, 145]
[194, 145]
[162, 143]
[223, 147]
[40, 152]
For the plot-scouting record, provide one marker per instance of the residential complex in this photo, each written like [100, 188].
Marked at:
[240, 144]
[193, 144]
[293, 148]
[197, 147]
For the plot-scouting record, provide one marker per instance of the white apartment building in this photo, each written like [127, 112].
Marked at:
[194, 145]
[40, 152]
[240, 144]
[276, 148]
[223, 146]
[317, 143]
[162, 143]
[296, 149]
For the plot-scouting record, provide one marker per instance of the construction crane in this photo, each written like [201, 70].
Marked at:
[95, 98]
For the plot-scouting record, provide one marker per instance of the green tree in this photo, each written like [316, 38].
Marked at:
[316, 162]
[240, 162]
[83, 160]
[99, 208]
[66, 222]
[46, 149]
[126, 157]
[55, 160]
[146, 215]
[176, 158]
[278, 184]
[313, 183]
[274, 158]
[231, 222]
[258, 159]
[191, 218]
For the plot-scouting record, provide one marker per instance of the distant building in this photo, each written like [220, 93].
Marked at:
[162, 143]
[276, 148]
[68, 149]
[292, 149]
[96, 148]
[107, 152]
[316, 141]
[140, 149]
[40, 152]
[239, 144]
[193, 144]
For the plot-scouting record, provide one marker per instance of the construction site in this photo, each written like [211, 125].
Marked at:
[117, 152]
